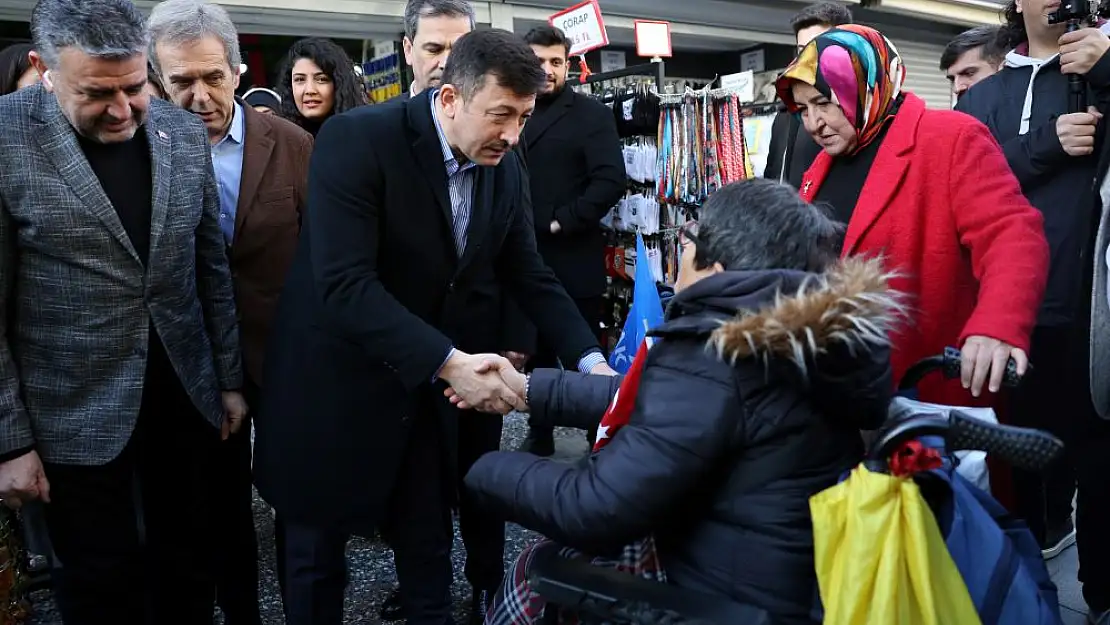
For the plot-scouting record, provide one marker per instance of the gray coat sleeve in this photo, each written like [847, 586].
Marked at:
[569, 399]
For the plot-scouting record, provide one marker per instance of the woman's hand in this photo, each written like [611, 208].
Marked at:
[983, 357]
[515, 380]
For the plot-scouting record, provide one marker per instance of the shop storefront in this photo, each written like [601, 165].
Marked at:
[920, 49]
[960, 12]
[920, 29]
[713, 32]
[763, 25]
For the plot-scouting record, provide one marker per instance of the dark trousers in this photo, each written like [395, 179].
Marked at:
[237, 544]
[134, 537]
[483, 532]
[591, 310]
[315, 574]
[1056, 396]
[417, 527]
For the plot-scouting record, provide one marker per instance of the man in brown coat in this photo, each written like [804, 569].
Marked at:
[261, 166]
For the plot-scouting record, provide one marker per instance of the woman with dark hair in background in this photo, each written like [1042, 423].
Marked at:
[154, 86]
[15, 68]
[318, 80]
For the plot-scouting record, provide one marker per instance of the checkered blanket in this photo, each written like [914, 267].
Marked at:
[517, 604]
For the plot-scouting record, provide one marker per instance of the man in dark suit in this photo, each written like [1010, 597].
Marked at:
[791, 152]
[575, 152]
[119, 361]
[414, 221]
[431, 29]
[261, 166]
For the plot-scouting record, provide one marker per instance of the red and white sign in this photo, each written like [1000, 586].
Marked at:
[583, 25]
[653, 38]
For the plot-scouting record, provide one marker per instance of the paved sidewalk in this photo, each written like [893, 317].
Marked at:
[1065, 569]
[370, 562]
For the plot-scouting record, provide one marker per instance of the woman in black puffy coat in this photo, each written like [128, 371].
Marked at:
[772, 358]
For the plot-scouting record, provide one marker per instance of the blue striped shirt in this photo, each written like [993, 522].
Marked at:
[460, 186]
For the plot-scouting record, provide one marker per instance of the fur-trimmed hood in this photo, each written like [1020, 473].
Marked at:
[788, 315]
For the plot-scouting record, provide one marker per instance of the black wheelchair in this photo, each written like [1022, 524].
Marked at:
[599, 596]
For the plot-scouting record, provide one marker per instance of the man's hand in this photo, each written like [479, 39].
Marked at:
[518, 359]
[983, 356]
[1080, 50]
[22, 479]
[235, 411]
[515, 380]
[556, 227]
[1077, 131]
[477, 382]
[603, 369]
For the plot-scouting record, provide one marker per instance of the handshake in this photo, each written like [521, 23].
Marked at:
[485, 382]
[489, 383]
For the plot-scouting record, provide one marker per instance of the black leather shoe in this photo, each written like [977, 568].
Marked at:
[391, 607]
[479, 605]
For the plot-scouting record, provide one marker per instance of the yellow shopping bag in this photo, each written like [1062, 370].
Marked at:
[880, 557]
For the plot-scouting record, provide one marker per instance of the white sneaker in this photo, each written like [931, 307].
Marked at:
[1062, 538]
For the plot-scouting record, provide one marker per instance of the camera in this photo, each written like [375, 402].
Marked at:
[1076, 12]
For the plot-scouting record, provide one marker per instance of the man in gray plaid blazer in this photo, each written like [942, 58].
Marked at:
[119, 353]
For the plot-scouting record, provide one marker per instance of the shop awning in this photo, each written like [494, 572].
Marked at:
[345, 19]
[962, 12]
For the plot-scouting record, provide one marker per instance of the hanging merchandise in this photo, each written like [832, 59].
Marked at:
[629, 93]
[678, 148]
[640, 155]
[636, 111]
[759, 121]
[635, 212]
[702, 145]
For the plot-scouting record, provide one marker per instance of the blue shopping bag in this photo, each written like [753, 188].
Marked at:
[995, 552]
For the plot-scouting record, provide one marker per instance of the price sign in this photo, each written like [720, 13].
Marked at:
[742, 84]
[583, 25]
[754, 61]
[612, 60]
[653, 38]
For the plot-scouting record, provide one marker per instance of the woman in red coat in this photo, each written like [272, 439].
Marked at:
[931, 192]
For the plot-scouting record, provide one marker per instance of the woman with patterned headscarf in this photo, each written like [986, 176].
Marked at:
[930, 191]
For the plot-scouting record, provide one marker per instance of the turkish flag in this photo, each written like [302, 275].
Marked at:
[620, 409]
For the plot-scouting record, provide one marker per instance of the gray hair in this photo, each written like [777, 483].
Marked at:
[759, 224]
[185, 21]
[107, 29]
[416, 9]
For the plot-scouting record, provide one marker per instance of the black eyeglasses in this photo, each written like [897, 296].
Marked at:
[688, 233]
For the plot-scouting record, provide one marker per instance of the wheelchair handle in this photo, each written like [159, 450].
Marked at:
[1024, 448]
[948, 364]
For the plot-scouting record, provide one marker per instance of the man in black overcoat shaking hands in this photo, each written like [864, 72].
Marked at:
[414, 216]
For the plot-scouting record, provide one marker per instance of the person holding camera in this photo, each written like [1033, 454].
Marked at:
[1052, 151]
